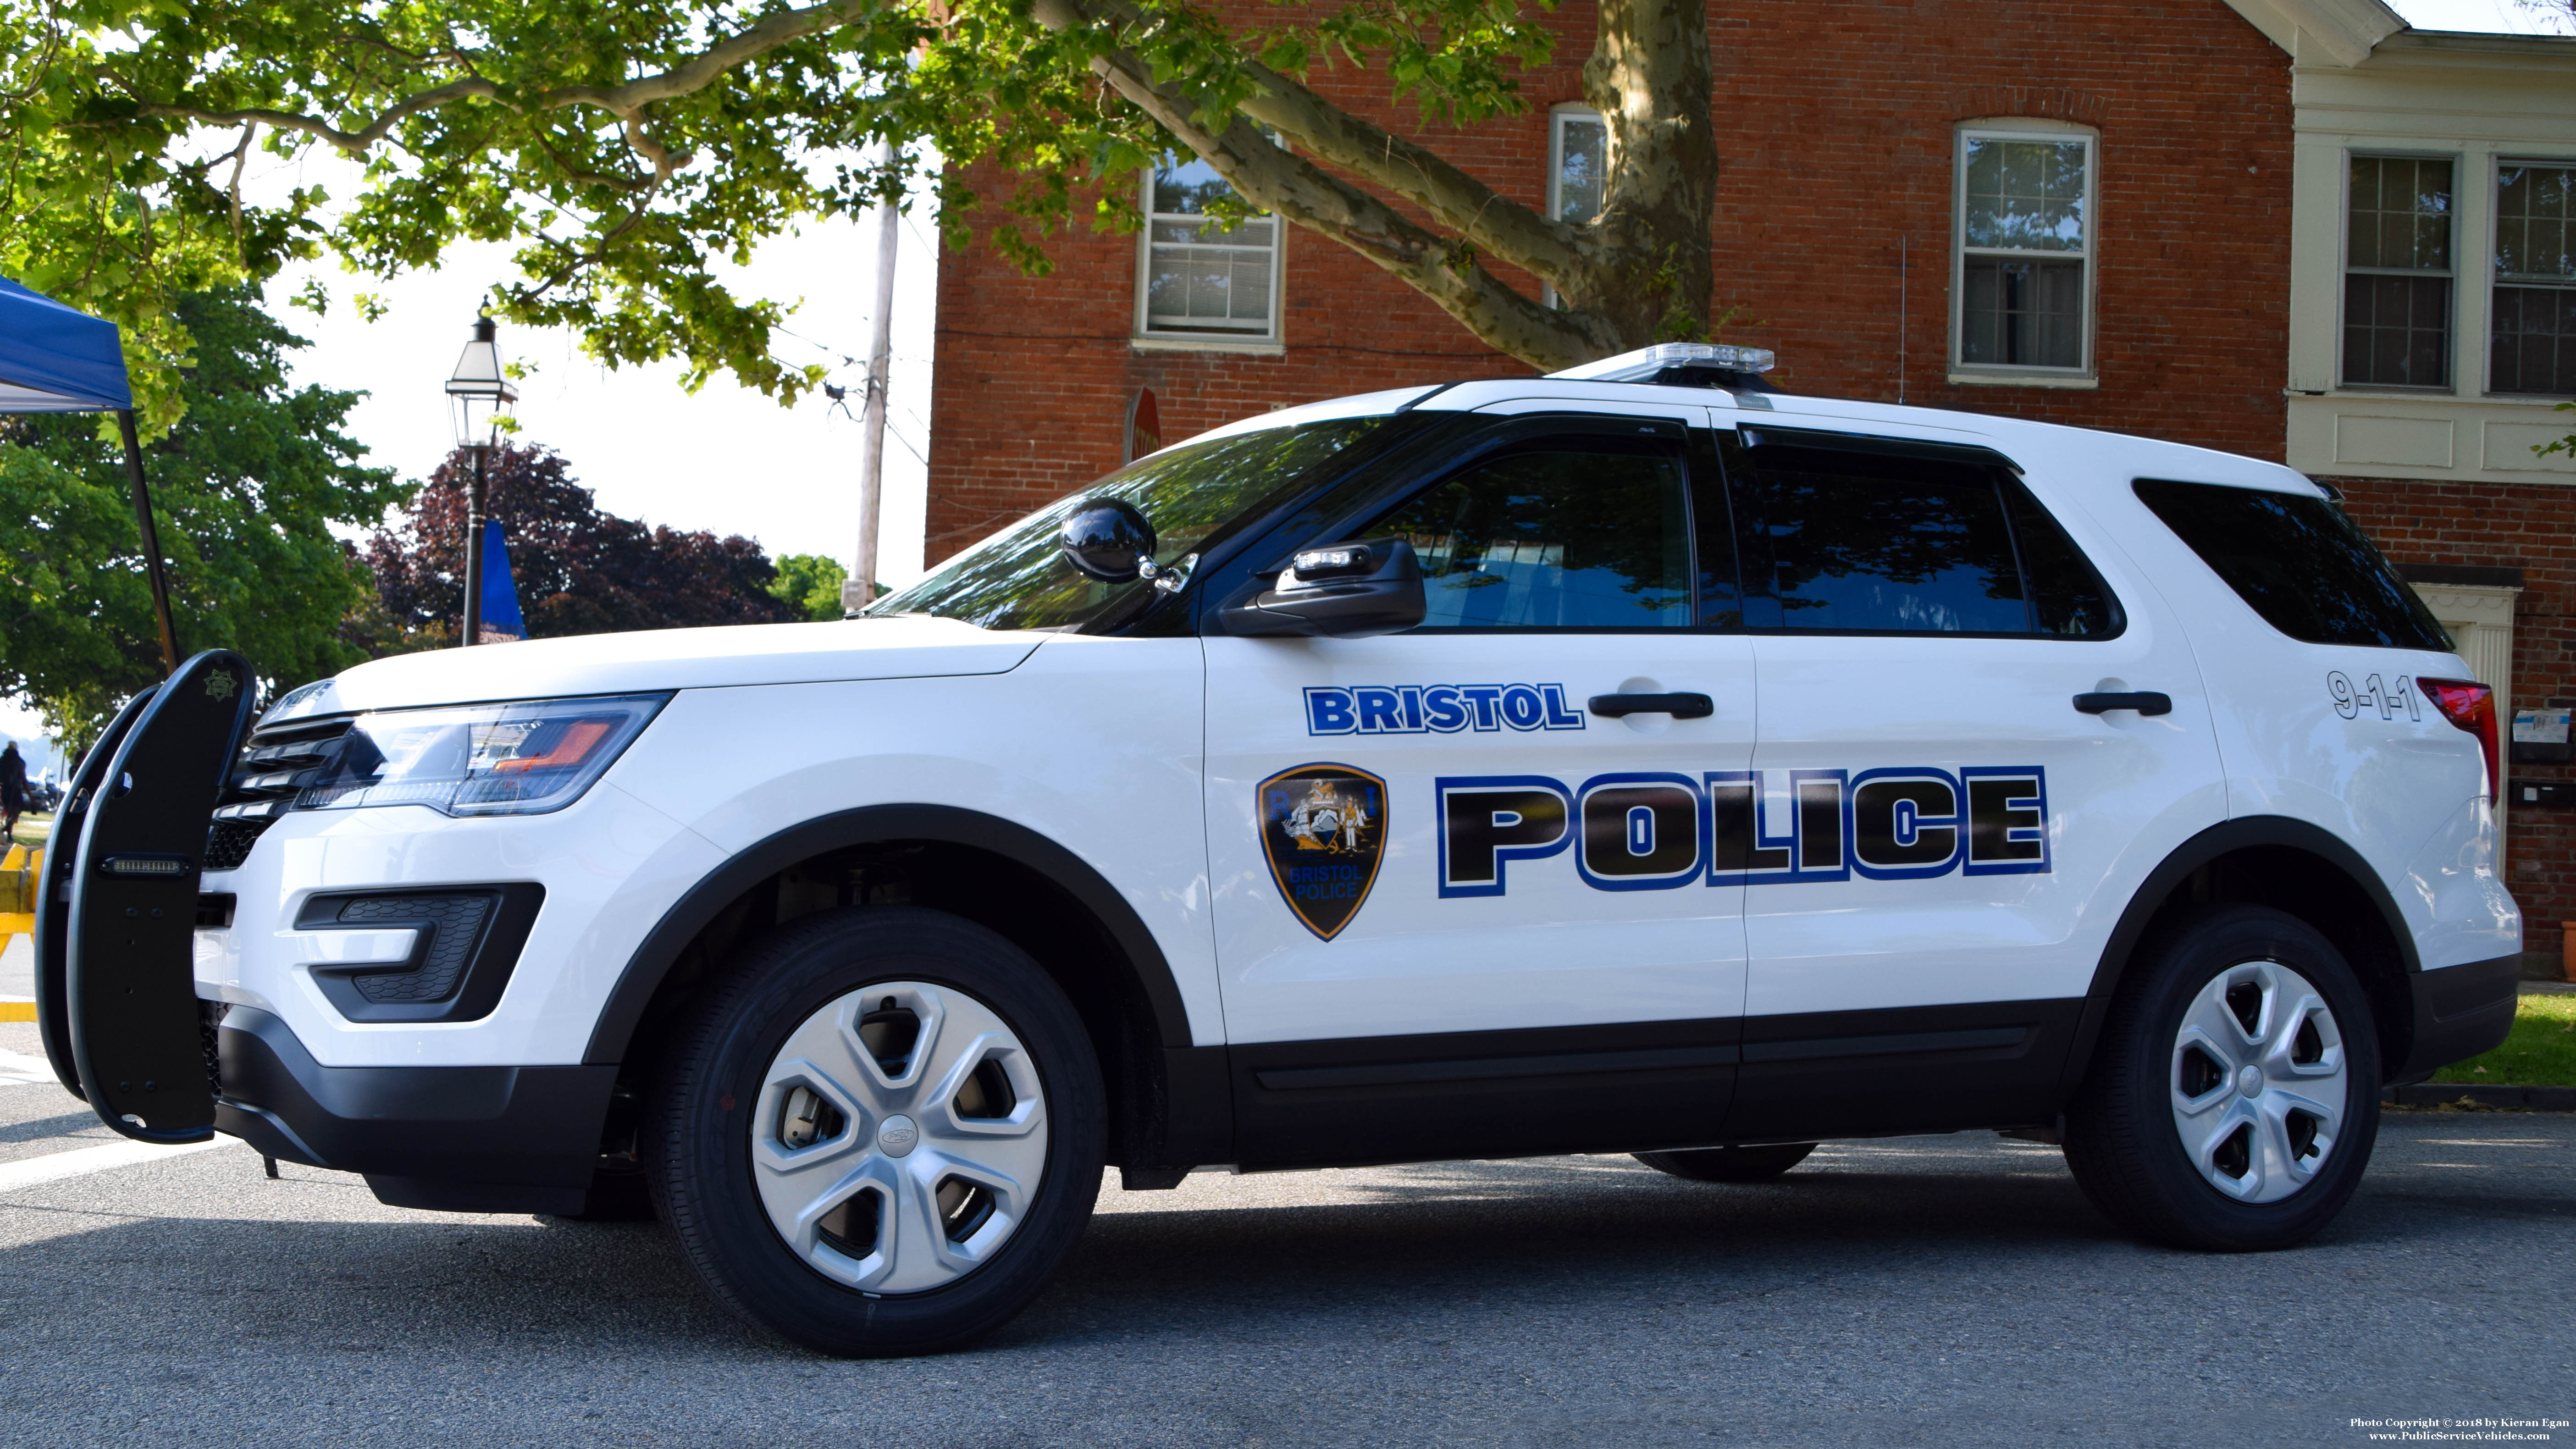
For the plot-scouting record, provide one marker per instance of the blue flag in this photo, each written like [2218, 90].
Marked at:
[501, 621]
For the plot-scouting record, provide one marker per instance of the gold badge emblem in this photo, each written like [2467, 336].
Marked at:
[1323, 830]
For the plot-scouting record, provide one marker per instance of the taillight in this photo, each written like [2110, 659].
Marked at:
[2471, 706]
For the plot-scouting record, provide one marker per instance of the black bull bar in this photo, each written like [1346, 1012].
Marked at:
[116, 993]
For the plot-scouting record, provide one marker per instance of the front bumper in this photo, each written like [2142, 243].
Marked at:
[461, 1139]
[607, 868]
[2459, 1012]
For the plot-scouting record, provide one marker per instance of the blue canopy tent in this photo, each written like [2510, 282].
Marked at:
[57, 360]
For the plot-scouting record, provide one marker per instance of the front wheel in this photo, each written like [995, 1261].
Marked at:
[2233, 1101]
[883, 1133]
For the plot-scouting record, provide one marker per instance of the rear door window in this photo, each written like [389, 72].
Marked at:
[1876, 541]
[2299, 561]
[2066, 596]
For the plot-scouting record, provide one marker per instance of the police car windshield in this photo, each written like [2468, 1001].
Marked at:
[1017, 579]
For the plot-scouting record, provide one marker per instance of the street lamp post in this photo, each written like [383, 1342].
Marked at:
[477, 393]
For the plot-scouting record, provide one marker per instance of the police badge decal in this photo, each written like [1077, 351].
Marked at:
[1323, 829]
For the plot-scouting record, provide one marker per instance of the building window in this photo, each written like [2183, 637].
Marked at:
[1578, 163]
[2024, 285]
[1578, 167]
[2397, 273]
[2532, 346]
[1202, 277]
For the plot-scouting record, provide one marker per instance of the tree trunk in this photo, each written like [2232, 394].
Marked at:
[1649, 78]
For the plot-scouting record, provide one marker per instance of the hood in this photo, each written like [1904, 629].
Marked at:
[657, 659]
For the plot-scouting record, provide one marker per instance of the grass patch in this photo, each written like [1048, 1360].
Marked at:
[32, 830]
[2539, 1052]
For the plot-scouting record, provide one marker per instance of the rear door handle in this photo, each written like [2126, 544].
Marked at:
[2144, 701]
[1679, 706]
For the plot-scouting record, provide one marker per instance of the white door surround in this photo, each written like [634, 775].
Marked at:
[2480, 618]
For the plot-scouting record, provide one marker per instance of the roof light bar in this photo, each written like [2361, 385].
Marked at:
[1644, 363]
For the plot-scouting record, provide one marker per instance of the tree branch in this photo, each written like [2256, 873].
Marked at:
[1550, 249]
[599, 253]
[626, 102]
[354, 143]
[708, 66]
[1485, 217]
[1288, 184]
[232, 189]
[628, 184]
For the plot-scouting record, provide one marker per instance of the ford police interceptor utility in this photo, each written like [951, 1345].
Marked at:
[1635, 759]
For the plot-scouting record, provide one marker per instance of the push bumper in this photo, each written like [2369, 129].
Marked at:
[2459, 1012]
[457, 1139]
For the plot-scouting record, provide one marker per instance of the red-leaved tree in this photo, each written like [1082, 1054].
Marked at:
[579, 570]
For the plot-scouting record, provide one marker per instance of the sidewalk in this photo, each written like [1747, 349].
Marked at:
[17, 927]
[18, 979]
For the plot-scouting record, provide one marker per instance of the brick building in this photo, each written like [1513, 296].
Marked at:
[2194, 161]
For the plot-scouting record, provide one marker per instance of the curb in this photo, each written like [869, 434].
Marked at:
[2479, 1097]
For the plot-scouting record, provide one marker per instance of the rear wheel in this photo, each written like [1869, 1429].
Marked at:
[1729, 1164]
[2234, 1099]
[883, 1134]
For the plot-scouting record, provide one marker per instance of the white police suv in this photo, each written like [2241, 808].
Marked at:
[1630, 760]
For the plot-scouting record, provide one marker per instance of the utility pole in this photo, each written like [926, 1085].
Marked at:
[861, 587]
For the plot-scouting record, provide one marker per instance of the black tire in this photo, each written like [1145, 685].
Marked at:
[699, 1147]
[1730, 1164]
[2123, 1140]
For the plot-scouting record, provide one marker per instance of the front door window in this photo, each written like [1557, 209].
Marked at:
[1558, 537]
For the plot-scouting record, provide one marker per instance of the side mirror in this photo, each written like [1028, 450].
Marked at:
[1340, 591]
[1107, 539]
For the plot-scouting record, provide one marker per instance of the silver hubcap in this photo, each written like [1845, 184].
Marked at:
[900, 1137]
[2259, 1082]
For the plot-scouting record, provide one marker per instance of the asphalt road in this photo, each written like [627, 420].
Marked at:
[1940, 1291]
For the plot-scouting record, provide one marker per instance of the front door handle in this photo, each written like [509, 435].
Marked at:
[2144, 701]
[1679, 706]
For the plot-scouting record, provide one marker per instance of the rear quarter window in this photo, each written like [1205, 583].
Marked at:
[2299, 562]
[1886, 542]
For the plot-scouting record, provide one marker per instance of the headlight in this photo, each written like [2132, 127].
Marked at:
[524, 758]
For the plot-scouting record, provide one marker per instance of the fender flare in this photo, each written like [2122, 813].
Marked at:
[2224, 838]
[869, 825]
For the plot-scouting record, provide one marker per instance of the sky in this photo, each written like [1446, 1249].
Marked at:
[2504, 15]
[723, 458]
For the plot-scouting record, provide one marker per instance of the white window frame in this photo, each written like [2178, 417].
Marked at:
[2017, 128]
[2449, 386]
[1557, 116]
[2489, 277]
[1269, 342]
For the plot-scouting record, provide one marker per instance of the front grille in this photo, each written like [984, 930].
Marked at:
[228, 843]
[210, 1022]
[271, 769]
